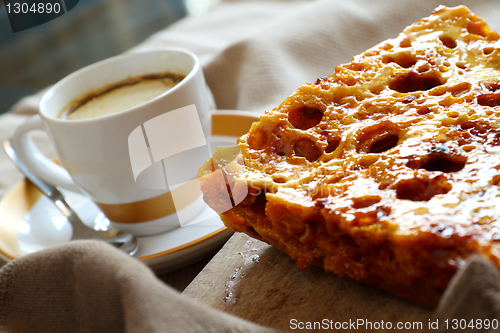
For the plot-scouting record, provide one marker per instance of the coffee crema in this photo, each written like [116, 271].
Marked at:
[120, 96]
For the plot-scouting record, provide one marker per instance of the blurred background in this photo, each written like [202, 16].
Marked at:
[93, 30]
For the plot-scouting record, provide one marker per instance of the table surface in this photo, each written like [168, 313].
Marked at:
[180, 279]
[254, 281]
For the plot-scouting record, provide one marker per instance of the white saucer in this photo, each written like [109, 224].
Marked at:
[30, 222]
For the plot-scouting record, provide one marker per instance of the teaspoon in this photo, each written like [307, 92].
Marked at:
[120, 239]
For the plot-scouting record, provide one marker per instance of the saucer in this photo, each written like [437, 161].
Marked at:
[30, 222]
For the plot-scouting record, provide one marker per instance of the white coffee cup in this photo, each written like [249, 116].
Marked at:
[107, 158]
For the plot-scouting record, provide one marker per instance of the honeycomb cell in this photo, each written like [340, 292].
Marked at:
[448, 42]
[405, 60]
[306, 148]
[305, 117]
[384, 143]
[421, 189]
[257, 139]
[489, 99]
[333, 144]
[439, 162]
[414, 81]
[488, 50]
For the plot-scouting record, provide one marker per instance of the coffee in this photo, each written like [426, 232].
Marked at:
[120, 96]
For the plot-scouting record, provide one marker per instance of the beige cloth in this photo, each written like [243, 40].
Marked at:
[254, 54]
[472, 295]
[88, 286]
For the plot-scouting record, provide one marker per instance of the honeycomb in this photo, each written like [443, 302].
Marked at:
[387, 171]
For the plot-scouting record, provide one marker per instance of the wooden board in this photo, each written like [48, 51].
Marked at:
[254, 281]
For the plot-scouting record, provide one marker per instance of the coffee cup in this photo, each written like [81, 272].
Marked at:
[138, 162]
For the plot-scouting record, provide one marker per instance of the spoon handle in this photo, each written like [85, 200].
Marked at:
[80, 230]
[122, 240]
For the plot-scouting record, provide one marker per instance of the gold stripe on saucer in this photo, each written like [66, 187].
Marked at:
[152, 208]
[184, 246]
[231, 124]
[13, 207]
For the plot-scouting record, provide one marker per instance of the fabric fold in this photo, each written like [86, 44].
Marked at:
[472, 295]
[89, 286]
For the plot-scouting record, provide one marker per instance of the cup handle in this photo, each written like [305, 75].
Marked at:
[35, 160]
